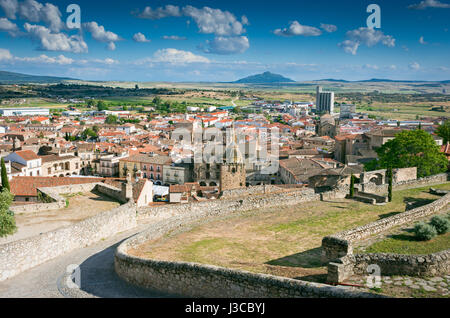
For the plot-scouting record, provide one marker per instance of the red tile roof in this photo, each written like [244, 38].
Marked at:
[26, 186]
[27, 155]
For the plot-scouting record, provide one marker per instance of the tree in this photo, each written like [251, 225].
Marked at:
[111, 119]
[157, 100]
[89, 133]
[7, 221]
[352, 186]
[444, 131]
[101, 105]
[5, 181]
[415, 148]
[389, 176]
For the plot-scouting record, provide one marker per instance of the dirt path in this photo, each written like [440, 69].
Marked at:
[80, 207]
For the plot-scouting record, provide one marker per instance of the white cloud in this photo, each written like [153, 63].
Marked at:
[367, 36]
[56, 41]
[99, 33]
[414, 66]
[5, 55]
[429, 4]
[208, 20]
[60, 60]
[34, 11]
[227, 45]
[111, 46]
[371, 67]
[159, 13]
[295, 28]
[330, 28]
[215, 21]
[107, 61]
[174, 37]
[422, 41]
[10, 7]
[349, 46]
[140, 37]
[175, 56]
[8, 26]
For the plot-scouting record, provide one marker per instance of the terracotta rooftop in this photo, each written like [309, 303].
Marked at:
[159, 160]
[27, 155]
[27, 186]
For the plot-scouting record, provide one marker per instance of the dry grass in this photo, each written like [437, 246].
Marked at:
[283, 241]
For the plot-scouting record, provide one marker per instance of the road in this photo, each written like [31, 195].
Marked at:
[97, 274]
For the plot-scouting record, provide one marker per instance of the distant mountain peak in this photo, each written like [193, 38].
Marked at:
[266, 77]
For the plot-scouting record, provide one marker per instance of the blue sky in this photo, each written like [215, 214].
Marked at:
[226, 40]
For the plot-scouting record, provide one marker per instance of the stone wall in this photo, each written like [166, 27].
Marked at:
[18, 256]
[196, 280]
[412, 265]
[338, 250]
[404, 174]
[258, 190]
[53, 194]
[359, 233]
[422, 182]
[111, 192]
[231, 205]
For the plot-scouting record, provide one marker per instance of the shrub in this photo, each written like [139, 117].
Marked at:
[441, 224]
[7, 221]
[424, 232]
[7, 224]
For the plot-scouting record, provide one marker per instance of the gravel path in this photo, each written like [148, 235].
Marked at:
[97, 275]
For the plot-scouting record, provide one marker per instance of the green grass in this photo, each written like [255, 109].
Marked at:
[406, 243]
[283, 241]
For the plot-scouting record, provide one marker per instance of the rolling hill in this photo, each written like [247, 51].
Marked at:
[18, 78]
[264, 78]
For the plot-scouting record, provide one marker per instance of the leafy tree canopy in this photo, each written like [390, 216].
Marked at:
[444, 131]
[415, 148]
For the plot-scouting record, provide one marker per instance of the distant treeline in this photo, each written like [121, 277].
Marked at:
[392, 98]
[79, 91]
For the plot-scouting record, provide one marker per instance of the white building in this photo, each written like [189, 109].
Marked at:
[324, 101]
[25, 112]
[25, 162]
[347, 111]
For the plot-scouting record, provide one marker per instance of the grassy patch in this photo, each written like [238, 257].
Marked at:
[406, 243]
[283, 241]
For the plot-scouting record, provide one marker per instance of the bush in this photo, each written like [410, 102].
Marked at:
[441, 224]
[424, 232]
[7, 221]
[7, 224]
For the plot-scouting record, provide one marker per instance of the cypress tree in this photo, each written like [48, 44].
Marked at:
[352, 186]
[389, 175]
[5, 181]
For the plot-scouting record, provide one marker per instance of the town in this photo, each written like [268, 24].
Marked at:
[247, 153]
